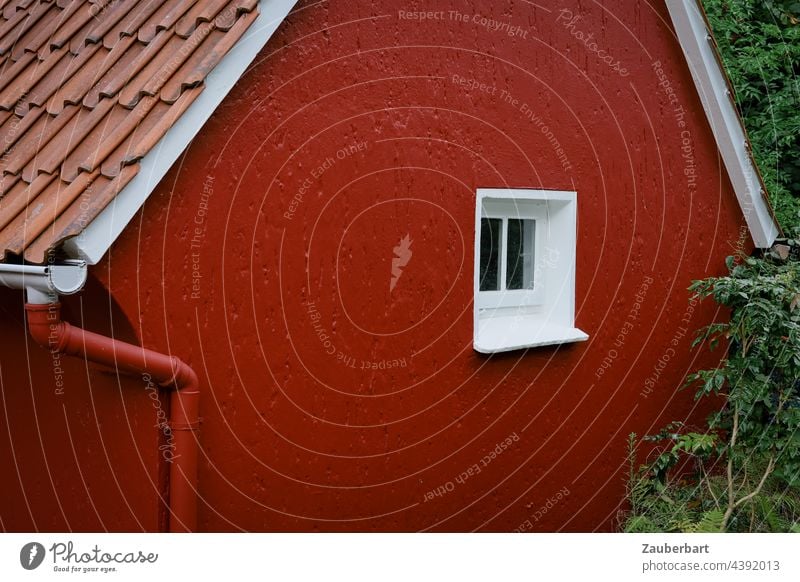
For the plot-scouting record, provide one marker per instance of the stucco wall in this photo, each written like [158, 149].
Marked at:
[78, 444]
[264, 259]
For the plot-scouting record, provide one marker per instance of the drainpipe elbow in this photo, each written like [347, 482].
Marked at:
[185, 397]
[184, 377]
[46, 327]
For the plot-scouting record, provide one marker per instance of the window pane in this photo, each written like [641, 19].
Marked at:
[519, 268]
[490, 254]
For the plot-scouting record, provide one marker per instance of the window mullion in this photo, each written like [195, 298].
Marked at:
[532, 249]
[503, 253]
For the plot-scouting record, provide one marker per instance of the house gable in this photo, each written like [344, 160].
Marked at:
[97, 101]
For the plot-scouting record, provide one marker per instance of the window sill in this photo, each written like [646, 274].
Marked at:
[518, 332]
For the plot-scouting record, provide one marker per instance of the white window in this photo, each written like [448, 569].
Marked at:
[524, 269]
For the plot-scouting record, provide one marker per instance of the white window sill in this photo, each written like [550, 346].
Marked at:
[504, 334]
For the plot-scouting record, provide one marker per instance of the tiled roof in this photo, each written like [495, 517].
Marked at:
[87, 88]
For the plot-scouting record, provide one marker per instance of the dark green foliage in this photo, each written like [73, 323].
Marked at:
[742, 472]
[761, 375]
[760, 45]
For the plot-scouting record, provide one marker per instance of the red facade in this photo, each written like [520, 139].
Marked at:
[340, 394]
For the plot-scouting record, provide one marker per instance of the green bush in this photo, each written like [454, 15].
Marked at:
[759, 41]
[742, 471]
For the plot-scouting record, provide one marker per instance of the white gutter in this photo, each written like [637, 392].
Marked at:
[98, 236]
[695, 40]
[45, 284]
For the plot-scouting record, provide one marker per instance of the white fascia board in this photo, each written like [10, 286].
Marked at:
[93, 243]
[710, 79]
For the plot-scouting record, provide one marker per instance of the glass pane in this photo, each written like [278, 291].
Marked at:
[519, 266]
[490, 254]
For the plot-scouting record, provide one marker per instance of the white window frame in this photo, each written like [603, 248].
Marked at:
[504, 209]
[518, 319]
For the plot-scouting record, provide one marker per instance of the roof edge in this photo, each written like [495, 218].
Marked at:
[713, 86]
[98, 236]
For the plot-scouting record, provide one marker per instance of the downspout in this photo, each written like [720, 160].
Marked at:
[43, 286]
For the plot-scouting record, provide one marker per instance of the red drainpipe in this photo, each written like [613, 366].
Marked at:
[46, 327]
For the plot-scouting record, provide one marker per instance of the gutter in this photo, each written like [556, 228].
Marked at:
[43, 286]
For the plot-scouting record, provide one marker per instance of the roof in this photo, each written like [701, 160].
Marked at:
[87, 89]
[98, 236]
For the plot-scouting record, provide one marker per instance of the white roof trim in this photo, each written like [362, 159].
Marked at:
[695, 40]
[99, 235]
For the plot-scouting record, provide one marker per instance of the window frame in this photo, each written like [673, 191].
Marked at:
[505, 209]
[507, 320]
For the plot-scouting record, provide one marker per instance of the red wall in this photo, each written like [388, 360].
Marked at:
[241, 235]
[78, 448]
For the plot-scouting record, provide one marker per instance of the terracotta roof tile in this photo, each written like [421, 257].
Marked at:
[163, 19]
[72, 221]
[197, 14]
[70, 90]
[136, 88]
[129, 25]
[42, 210]
[160, 118]
[37, 138]
[70, 21]
[87, 88]
[7, 30]
[19, 196]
